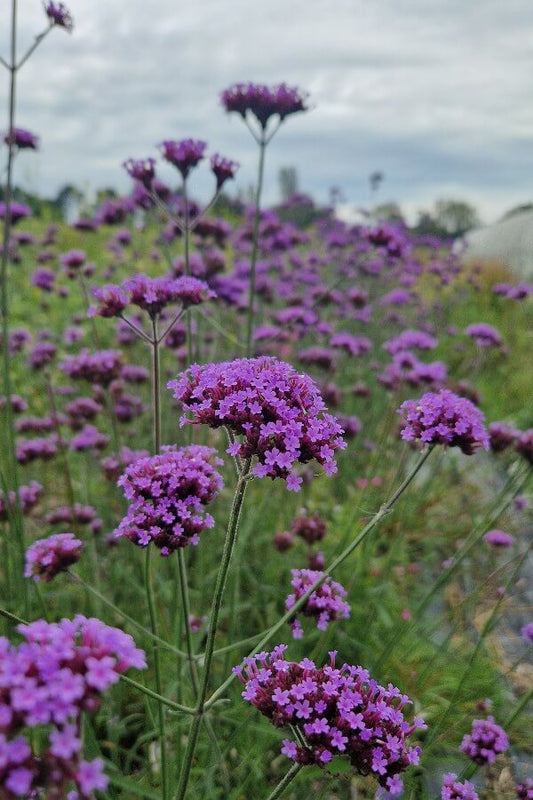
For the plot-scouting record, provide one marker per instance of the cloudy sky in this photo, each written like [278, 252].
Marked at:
[437, 94]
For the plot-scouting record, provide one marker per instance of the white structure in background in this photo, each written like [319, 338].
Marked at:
[509, 242]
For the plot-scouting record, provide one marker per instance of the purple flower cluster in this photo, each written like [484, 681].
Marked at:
[502, 436]
[498, 538]
[444, 418]
[354, 345]
[517, 291]
[524, 445]
[150, 294]
[311, 528]
[59, 15]
[29, 496]
[263, 102]
[142, 170]
[224, 169]
[527, 632]
[46, 683]
[72, 261]
[485, 742]
[28, 450]
[184, 155]
[100, 367]
[279, 413]
[82, 515]
[484, 335]
[452, 789]
[89, 438]
[17, 211]
[115, 464]
[41, 355]
[410, 340]
[524, 791]
[21, 138]
[167, 495]
[43, 279]
[45, 558]
[337, 711]
[325, 604]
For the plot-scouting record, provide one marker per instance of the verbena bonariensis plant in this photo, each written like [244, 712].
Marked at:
[263, 109]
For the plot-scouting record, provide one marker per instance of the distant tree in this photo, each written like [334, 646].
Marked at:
[388, 212]
[288, 182]
[107, 193]
[448, 219]
[456, 217]
[517, 210]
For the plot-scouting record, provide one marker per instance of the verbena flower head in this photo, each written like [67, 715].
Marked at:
[60, 671]
[527, 632]
[502, 436]
[311, 528]
[498, 538]
[45, 558]
[150, 294]
[264, 102]
[142, 170]
[337, 711]
[484, 335]
[184, 154]
[21, 138]
[223, 169]
[524, 791]
[17, 211]
[59, 15]
[278, 412]
[112, 301]
[167, 495]
[28, 495]
[444, 418]
[452, 789]
[485, 742]
[100, 367]
[325, 604]
[524, 445]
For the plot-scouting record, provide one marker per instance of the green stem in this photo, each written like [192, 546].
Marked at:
[255, 246]
[157, 670]
[376, 519]
[159, 697]
[185, 607]
[187, 256]
[16, 522]
[156, 378]
[284, 782]
[229, 545]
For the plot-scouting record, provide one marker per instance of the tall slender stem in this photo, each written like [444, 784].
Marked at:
[255, 246]
[229, 545]
[185, 607]
[284, 782]
[8, 434]
[157, 670]
[156, 379]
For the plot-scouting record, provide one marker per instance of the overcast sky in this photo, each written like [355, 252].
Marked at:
[437, 94]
